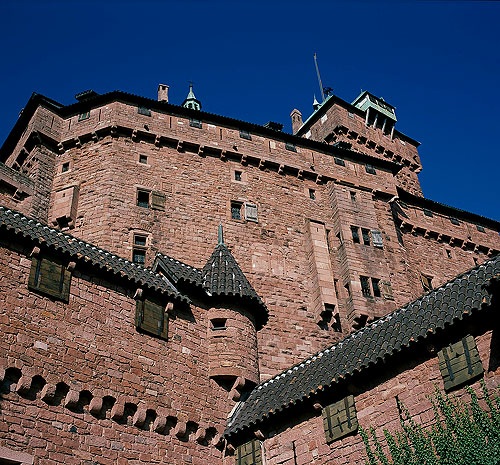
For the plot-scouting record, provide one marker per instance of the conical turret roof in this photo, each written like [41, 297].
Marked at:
[222, 277]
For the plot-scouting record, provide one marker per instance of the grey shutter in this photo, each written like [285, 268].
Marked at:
[158, 201]
[377, 238]
[459, 362]
[251, 212]
[339, 419]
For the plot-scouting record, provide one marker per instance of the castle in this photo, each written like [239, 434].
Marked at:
[180, 287]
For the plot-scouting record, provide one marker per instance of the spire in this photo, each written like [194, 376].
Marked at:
[316, 104]
[191, 101]
[221, 235]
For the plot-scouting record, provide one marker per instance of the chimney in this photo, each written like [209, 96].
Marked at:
[296, 116]
[162, 93]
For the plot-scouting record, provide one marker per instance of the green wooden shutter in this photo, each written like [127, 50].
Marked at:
[158, 201]
[150, 316]
[50, 277]
[460, 362]
[249, 453]
[339, 419]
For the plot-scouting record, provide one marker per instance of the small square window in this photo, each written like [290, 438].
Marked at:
[454, 220]
[312, 194]
[236, 210]
[140, 240]
[218, 324]
[355, 234]
[370, 169]
[237, 175]
[339, 161]
[144, 111]
[428, 213]
[480, 228]
[143, 198]
[195, 123]
[143, 159]
[65, 167]
[291, 147]
[366, 236]
[365, 286]
[245, 135]
[376, 287]
[139, 256]
[83, 116]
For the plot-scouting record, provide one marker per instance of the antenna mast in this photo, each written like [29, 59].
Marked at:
[319, 78]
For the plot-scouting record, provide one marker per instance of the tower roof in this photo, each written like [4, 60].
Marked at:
[191, 101]
[222, 277]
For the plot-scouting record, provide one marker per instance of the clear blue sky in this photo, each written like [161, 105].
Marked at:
[437, 62]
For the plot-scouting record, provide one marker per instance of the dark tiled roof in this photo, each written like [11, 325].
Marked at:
[178, 271]
[222, 277]
[368, 346]
[79, 250]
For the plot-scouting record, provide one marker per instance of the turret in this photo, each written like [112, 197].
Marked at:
[191, 101]
[235, 316]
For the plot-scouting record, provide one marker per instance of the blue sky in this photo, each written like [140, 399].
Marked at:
[437, 62]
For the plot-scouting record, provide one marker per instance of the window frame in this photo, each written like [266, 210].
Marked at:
[355, 235]
[142, 204]
[366, 290]
[236, 205]
[41, 278]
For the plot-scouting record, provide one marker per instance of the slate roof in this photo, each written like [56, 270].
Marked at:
[222, 277]
[178, 271]
[368, 346]
[81, 251]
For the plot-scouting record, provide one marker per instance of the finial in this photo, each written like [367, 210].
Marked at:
[316, 104]
[221, 236]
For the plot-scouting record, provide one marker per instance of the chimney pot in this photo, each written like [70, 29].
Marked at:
[162, 93]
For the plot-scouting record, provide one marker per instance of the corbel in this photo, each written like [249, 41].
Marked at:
[202, 151]
[180, 146]
[317, 407]
[95, 137]
[229, 448]
[244, 160]
[281, 169]
[169, 308]
[139, 417]
[114, 130]
[60, 147]
[71, 399]
[71, 266]
[201, 434]
[319, 179]
[35, 252]
[138, 294]
[38, 137]
[300, 174]
[259, 435]
[157, 140]
[180, 429]
[134, 134]
[262, 164]
[78, 142]
[223, 154]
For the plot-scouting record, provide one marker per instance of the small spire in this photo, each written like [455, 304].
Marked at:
[316, 104]
[221, 235]
[191, 101]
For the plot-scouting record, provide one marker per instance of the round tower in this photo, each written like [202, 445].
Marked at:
[235, 316]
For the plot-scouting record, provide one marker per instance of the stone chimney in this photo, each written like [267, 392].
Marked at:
[162, 93]
[296, 116]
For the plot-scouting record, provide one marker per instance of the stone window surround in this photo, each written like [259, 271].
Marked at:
[18, 458]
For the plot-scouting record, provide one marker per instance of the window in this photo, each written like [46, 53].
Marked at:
[339, 419]
[65, 167]
[403, 204]
[347, 288]
[312, 194]
[448, 253]
[459, 362]
[339, 237]
[339, 161]
[143, 159]
[249, 453]
[143, 198]
[50, 277]
[144, 111]
[365, 286]
[370, 169]
[195, 123]
[355, 234]
[251, 212]
[245, 135]
[291, 147]
[428, 213]
[151, 317]
[377, 239]
[366, 236]
[376, 287]
[480, 228]
[83, 116]
[237, 175]
[218, 324]
[426, 282]
[353, 196]
[454, 220]
[139, 249]
[236, 210]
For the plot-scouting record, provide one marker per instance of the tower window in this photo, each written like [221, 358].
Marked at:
[376, 287]
[291, 147]
[245, 135]
[355, 234]
[370, 169]
[237, 175]
[65, 167]
[480, 228]
[143, 159]
[236, 210]
[143, 198]
[448, 253]
[353, 196]
[218, 324]
[454, 220]
[139, 249]
[366, 236]
[144, 111]
[83, 116]
[195, 123]
[428, 213]
[312, 194]
[365, 286]
[339, 161]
